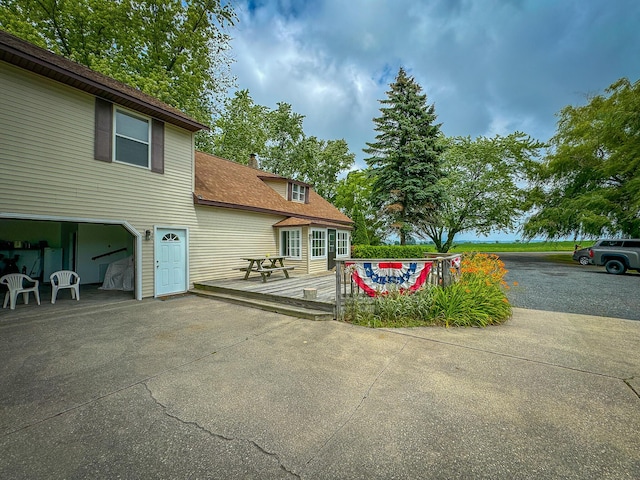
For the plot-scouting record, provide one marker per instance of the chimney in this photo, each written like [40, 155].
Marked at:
[253, 161]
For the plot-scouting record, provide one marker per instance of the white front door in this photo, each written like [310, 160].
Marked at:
[171, 261]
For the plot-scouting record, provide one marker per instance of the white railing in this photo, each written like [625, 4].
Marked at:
[369, 277]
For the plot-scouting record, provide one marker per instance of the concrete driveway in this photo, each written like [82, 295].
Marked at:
[194, 388]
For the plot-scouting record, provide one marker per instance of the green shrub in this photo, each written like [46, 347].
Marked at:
[475, 304]
[391, 251]
[392, 310]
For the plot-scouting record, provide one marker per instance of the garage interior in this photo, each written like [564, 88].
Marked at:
[40, 247]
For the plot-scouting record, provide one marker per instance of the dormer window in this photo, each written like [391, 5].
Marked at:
[297, 193]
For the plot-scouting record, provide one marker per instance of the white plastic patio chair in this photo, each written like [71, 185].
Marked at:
[65, 279]
[15, 282]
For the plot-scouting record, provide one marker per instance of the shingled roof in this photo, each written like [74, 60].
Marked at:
[222, 183]
[28, 56]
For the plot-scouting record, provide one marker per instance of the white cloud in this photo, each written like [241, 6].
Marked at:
[490, 66]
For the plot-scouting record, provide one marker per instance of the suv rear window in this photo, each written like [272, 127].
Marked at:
[632, 244]
[610, 243]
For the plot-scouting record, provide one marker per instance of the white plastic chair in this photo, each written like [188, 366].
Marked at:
[15, 283]
[65, 279]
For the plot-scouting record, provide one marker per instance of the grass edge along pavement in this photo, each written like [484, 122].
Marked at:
[497, 247]
[476, 299]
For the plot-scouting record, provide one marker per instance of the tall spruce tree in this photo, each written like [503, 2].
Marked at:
[405, 158]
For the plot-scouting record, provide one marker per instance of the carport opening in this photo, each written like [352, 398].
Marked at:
[94, 250]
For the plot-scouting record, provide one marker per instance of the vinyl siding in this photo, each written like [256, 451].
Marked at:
[48, 169]
[318, 266]
[46, 155]
[280, 186]
[225, 236]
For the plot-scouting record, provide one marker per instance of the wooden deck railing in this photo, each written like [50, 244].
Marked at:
[370, 277]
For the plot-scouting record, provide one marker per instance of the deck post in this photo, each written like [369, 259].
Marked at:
[339, 266]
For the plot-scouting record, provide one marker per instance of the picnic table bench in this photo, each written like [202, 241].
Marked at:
[265, 266]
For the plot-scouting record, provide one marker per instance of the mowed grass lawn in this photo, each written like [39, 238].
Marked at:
[561, 251]
[496, 247]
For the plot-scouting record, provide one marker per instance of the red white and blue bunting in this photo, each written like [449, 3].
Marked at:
[380, 278]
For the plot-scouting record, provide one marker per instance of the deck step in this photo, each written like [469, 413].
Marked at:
[263, 304]
[269, 297]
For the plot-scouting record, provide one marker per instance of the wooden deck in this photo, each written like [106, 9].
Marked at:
[279, 286]
[280, 290]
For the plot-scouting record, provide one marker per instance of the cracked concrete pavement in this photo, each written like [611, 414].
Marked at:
[195, 388]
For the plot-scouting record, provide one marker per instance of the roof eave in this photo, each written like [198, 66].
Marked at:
[283, 179]
[41, 66]
[235, 206]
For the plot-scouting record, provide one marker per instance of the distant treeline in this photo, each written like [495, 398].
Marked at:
[419, 251]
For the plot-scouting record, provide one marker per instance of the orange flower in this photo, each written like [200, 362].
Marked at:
[485, 267]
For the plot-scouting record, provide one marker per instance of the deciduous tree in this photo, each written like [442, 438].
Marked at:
[590, 183]
[241, 129]
[174, 50]
[353, 197]
[319, 162]
[285, 132]
[278, 138]
[485, 181]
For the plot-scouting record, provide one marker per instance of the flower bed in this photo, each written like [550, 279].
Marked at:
[476, 297]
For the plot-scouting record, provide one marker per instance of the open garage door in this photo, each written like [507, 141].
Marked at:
[39, 246]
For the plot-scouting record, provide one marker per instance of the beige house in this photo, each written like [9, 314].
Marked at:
[94, 172]
[257, 213]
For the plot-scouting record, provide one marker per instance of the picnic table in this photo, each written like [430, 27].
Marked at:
[265, 266]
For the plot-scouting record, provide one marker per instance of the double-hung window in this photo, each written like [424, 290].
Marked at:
[132, 139]
[342, 244]
[128, 137]
[318, 243]
[297, 193]
[291, 243]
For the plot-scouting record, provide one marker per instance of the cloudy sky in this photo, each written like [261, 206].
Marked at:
[489, 66]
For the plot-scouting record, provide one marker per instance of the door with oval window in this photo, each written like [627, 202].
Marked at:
[170, 261]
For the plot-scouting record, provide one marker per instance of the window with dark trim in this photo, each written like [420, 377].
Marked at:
[132, 138]
[298, 193]
[125, 136]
